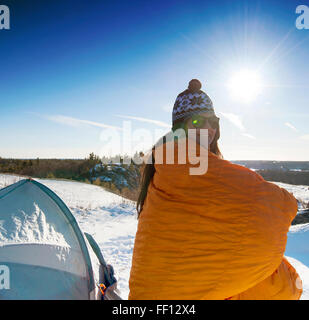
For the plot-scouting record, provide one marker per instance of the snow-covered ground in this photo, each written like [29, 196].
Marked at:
[300, 192]
[111, 220]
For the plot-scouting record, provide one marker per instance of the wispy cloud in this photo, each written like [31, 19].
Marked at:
[291, 126]
[249, 135]
[234, 119]
[156, 122]
[74, 122]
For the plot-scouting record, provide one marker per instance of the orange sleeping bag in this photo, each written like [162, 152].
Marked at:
[219, 235]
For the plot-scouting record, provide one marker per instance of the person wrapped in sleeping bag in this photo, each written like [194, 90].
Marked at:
[216, 235]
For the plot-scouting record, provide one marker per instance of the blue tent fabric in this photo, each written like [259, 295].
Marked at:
[43, 247]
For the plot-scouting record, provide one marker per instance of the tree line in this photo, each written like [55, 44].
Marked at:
[122, 179]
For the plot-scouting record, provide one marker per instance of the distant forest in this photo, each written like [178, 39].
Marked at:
[124, 179]
[274, 165]
[92, 170]
[292, 172]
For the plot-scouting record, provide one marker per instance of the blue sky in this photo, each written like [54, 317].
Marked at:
[70, 68]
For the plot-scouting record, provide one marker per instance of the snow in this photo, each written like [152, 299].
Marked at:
[111, 220]
[300, 192]
[303, 272]
[30, 228]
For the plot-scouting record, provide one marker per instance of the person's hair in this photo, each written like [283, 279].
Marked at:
[149, 170]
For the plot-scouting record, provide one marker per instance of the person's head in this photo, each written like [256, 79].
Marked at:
[202, 121]
[205, 123]
[193, 109]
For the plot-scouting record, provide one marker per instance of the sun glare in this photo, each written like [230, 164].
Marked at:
[245, 85]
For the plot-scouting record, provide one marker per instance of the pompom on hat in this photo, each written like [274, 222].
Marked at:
[191, 101]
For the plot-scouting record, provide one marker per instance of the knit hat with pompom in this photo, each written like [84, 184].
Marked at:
[191, 101]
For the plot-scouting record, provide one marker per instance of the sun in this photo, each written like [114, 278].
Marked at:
[245, 85]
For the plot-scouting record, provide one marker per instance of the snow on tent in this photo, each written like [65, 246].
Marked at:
[43, 253]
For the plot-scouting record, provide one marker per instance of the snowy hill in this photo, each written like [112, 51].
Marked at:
[111, 220]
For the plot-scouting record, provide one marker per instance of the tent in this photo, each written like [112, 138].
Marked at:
[43, 253]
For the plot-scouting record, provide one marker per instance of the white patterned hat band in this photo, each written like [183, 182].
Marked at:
[191, 102]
